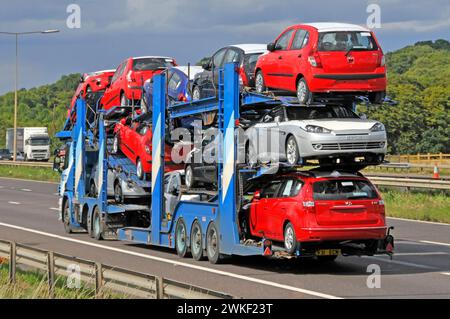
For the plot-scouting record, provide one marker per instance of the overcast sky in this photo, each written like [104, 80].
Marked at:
[185, 29]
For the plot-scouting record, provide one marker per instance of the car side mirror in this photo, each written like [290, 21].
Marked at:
[277, 119]
[271, 47]
[123, 121]
[207, 65]
[81, 79]
[257, 195]
[57, 164]
[363, 116]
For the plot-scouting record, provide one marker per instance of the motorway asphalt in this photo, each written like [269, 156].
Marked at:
[420, 268]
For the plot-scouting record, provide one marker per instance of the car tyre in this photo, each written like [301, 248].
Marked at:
[304, 95]
[260, 84]
[190, 177]
[118, 193]
[140, 170]
[115, 146]
[181, 238]
[196, 93]
[197, 241]
[123, 100]
[292, 151]
[290, 239]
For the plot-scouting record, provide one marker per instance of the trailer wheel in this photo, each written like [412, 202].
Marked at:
[97, 226]
[196, 241]
[212, 244]
[66, 217]
[181, 238]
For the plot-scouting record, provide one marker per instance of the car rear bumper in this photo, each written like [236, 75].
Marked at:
[356, 82]
[317, 234]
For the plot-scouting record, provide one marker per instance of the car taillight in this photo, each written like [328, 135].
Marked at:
[182, 97]
[314, 59]
[129, 77]
[382, 60]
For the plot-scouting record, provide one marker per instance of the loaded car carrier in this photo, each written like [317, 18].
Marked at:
[204, 224]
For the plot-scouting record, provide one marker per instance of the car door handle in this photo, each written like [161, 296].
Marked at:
[280, 57]
[300, 55]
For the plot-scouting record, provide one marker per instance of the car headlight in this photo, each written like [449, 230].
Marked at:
[316, 129]
[378, 127]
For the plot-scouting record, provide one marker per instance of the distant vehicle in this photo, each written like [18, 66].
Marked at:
[177, 89]
[5, 155]
[323, 132]
[206, 83]
[126, 84]
[92, 82]
[316, 211]
[134, 140]
[33, 142]
[323, 59]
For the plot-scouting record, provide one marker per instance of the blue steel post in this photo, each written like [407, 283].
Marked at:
[227, 201]
[103, 165]
[158, 126]
[79, 139]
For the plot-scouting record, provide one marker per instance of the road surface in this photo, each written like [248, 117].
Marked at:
[420, 268]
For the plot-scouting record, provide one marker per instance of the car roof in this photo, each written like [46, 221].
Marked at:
[152, 56]
[336, 26]
[194, 69]
[251, 47]
[316, 174]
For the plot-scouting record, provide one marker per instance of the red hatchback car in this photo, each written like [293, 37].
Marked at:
[126, 84]
[134, 139]
[312, 211]
[324, 59]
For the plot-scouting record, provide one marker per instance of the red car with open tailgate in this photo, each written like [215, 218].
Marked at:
[134, 140]
[320, 213]
[126, 84]
[324, 60]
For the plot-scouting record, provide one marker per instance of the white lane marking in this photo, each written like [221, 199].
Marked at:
[14, 203]
[28, 180]
[54, 208]
[434, 243]
[26, 190]
[178, 263]
[2, 187]
[422, 254]
[398, 262]
[418, 221]
[445, 273]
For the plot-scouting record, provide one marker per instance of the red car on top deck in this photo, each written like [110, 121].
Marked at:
[126, 84]
[323, 59]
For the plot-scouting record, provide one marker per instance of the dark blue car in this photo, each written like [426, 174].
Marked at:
[177, 87]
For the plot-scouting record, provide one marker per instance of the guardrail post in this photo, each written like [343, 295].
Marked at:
[159, 288]
[51, 274]
[98, 279]
[12, 262]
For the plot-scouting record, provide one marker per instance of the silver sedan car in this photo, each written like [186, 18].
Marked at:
[296, 134]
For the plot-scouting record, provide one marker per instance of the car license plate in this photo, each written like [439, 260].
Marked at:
[328, 252]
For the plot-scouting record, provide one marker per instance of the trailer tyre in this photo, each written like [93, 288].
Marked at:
[97, 225]
[212, 244]
[181, 238]
[66, 217]
[196, 241]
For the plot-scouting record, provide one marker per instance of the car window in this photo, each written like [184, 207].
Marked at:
[250, 62]
[218, 57]
[271, 190]
[290, 188]
[150, 64]
[270, 116]
[322, 112]
[344, 190]
[117, 73]
[301, 38]
[283, 41]
[142, 130]
[344, 40]
[174, 81]
[231, 56]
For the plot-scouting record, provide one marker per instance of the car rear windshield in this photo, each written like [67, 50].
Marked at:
[323, 112]
[345, 40]
[344, 189]
[250, 62]
[149, 64]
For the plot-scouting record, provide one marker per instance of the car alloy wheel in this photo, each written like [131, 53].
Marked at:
[196, 241]
[196, 94]
[259, 82]
[66, 217]
[303, 93]
[290, 240]
[115, 148]
[118, 194]
[292, 151]
[139, 169]
[123, 100]
[189, 177]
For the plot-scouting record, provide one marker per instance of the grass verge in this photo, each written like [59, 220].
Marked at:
[33, 285]
[419, 205]
[33, 173]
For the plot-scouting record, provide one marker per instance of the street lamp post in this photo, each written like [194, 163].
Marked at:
[16, 34]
